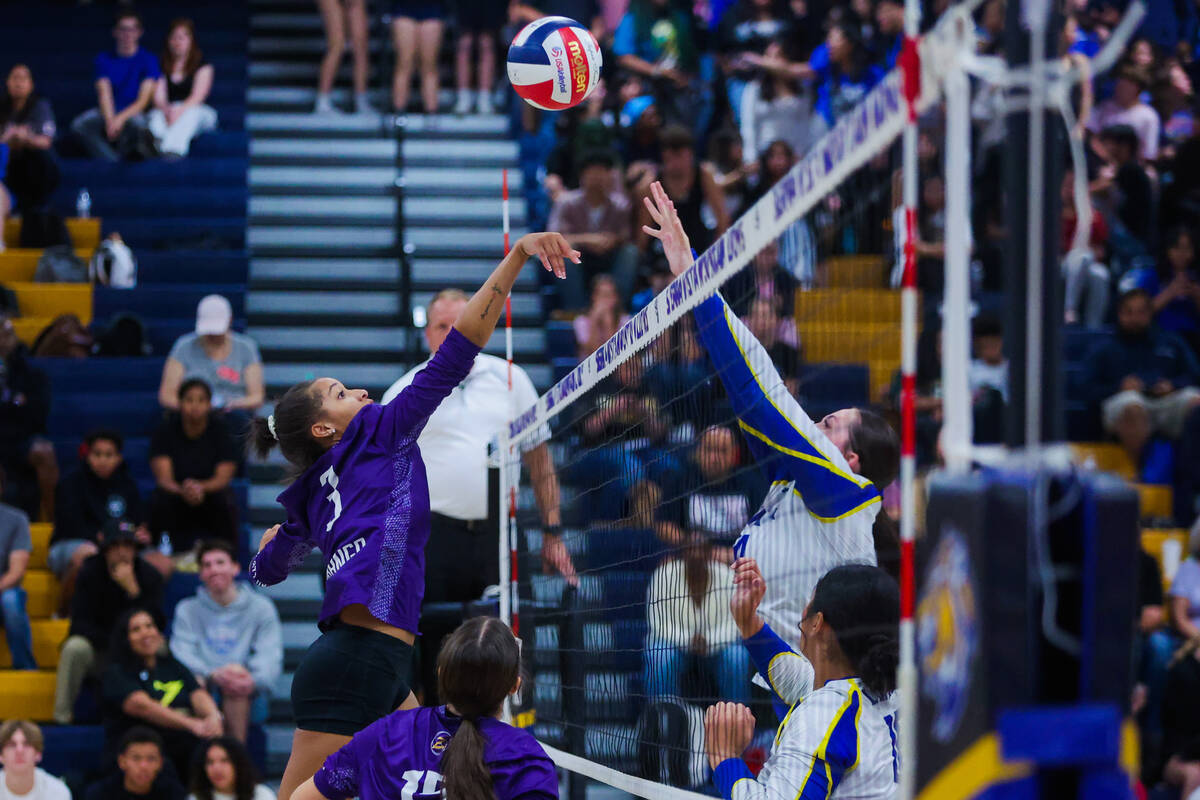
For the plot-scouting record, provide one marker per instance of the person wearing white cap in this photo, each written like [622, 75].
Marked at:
[228, 362]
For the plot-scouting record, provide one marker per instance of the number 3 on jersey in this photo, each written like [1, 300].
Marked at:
[329, 478]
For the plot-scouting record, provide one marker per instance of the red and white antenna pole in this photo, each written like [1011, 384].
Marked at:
[512, 485]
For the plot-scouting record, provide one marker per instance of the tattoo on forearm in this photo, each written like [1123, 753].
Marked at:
[496, 291]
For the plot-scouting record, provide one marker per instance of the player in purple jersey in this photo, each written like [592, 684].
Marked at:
[362, 498]
[460, 749]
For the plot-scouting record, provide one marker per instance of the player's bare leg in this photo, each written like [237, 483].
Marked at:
[309, 751]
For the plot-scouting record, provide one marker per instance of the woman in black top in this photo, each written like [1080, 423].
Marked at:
[180, 112]
[193, 458]
[145, 685]
[27, 127]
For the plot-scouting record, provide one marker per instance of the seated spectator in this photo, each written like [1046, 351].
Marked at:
[141, 772]
[691, 185]
[931, 235]
[1155, 645]
[1144, 379]
[180, 112]
[603, 318]
[641, 125]
[1184, 593]
[778, 336]
[1175, 287]
[732, 171]
[889, 31]
[1125, 107]
[227, 362]
[774, 108]
[747, 28]
[27, 127]
[1123, 186]
[101, 489]
[596, 218]
[21, 747]
[125, 80]
[711, 495]
[987, 379]
[30, 467]
[797, 246]
[687, 609]
[765, 280]
[1175, 102]
[16, 544]
[193, 458]
[230, 637]
[144, 684]
[1085, 269]
[110, 583]
[221, 770]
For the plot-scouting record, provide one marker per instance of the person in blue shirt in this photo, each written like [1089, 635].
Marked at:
[125, 80]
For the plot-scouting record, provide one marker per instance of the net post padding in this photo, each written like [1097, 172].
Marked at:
[858, 136]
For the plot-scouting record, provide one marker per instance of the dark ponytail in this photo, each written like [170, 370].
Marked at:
[477, 668]
[862, 605]
[878, 449]
[294, 416]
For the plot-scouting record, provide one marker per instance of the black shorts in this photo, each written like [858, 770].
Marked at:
[419, 10]
[349, 678]
[482, 16]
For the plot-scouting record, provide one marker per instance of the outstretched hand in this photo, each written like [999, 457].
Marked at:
[551, 249]
[749, 587]
[728, 729]
[675, 244]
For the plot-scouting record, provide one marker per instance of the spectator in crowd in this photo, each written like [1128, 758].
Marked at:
[337, 16]
[21, 748]
[417, 35]
[1125, 107]
[1175, 102]
[687, 609]
[989, 367]
[221, 770]
[228, 362]
[1181, 713]
[1144, 379]
[765, 280]
[462, 558]
[1175, 287]
[797, 246]
[746, 29]
[16, 545]
[144, 684]
[731, 170]
[603, 318]
[479, 24]
[141, 773]
[774, 108]
[30, 467]
[1085, 270]
[889, 31]
[1123, 186]
[193, 458]
[656, 41]
[125, 81]
[642, 125]
[1187, 477]
[1184, 593]
[778, 336]
[110, 583]
[595, 218]
[101, 489]
[27, 127]
[692, 183]
[1156, 645]
[180, 111]
[230, 637]
[711, 496]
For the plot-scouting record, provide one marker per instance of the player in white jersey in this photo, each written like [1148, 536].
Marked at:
[839, 739]
[823, 502]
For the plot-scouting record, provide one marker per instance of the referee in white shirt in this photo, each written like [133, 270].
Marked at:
[462, 557]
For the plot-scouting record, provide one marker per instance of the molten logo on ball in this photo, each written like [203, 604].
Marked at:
[554, 63]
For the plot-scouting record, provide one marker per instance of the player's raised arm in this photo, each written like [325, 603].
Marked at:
[788, 444]
[482, 312]
[789, 673]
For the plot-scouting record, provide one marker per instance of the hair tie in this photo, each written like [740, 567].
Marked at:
[271, 427]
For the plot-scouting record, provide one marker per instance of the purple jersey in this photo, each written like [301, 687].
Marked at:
[400, 756]
[365, 502]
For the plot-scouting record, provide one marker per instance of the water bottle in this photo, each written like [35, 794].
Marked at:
[83, 205]
[164, 545]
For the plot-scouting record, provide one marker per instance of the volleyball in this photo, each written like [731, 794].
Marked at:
[554, 63]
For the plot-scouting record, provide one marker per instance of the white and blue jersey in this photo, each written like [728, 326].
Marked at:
[817, 514]
[835, 741]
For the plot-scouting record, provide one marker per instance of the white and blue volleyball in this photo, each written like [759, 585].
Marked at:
[554, 63]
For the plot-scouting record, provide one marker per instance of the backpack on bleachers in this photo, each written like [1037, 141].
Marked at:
[113, 264]
[59, 264]
[125, 337]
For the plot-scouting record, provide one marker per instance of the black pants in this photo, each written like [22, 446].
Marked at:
[461, 560]
[32, 177]
[213, 519]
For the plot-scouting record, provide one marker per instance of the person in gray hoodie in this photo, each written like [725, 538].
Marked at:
[230, 636]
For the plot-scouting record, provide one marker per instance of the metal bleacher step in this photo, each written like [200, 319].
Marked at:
[317, 238]
[375, 378]
[373, 342]
[333, 273]
[376, 151]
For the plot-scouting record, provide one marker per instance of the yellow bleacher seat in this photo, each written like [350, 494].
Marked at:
[849, 307]
[85, 233]
[19, 264]
[28, 328]
[859, 343]
[1156, 500]
[44, 593]
[854, 272]
[52, 299]
[41, 532]
[27, 694]
[1106, 457]
[48, 636]
[1153, 542]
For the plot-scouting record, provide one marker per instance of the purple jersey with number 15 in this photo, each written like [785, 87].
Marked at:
[365, 502]
[400, 756]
